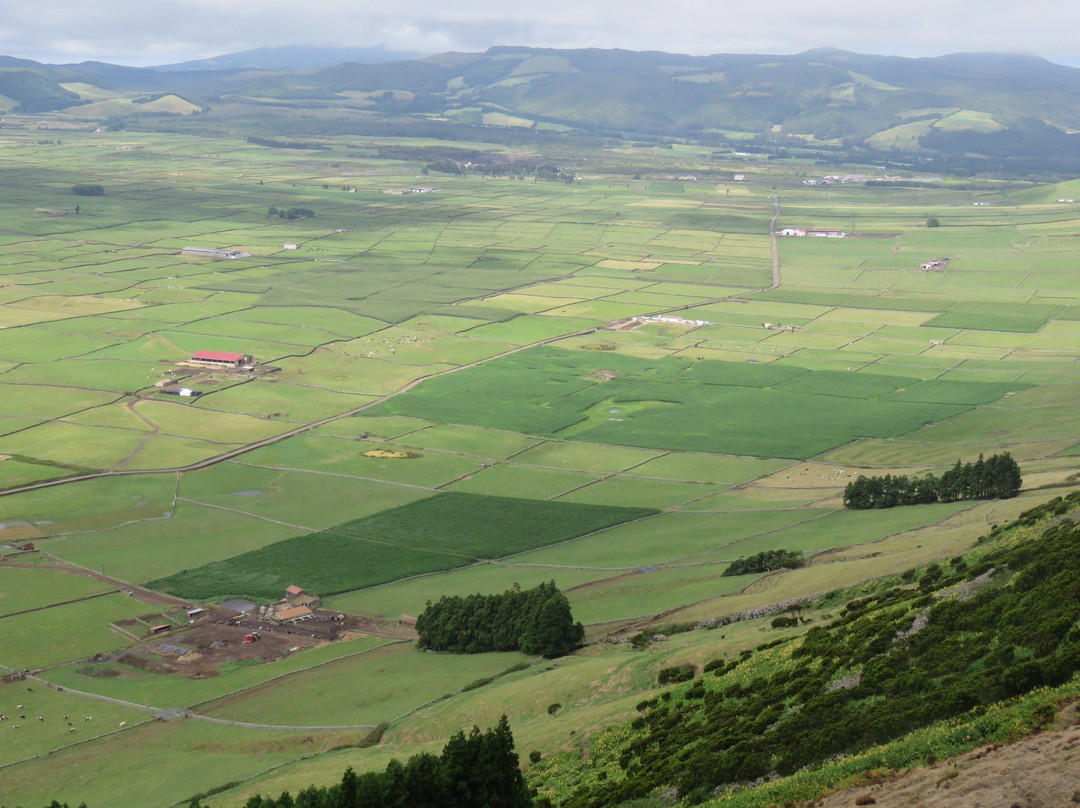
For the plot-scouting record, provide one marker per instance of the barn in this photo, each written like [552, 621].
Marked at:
[222, 359]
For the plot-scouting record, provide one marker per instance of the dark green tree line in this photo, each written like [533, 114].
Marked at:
[997, 477]
[535, 621]
[766, 562]
[478, 770]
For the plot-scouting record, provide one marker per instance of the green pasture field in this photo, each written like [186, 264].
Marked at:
[14, 473]
[92, 504]
[511, 480]
[304, 499]
[753, 499]
[277, 399]
[66, 632]
[378, 427]
[429, 535]
[54, 731]
[838, 528]
[651, 592]
[99, 375]
[583, 457]
[420, 346]
[526, 330]
[706, 468]
[192, 757]
[22, 589]
[393, 675]
[100, 305]
[489, 443]
[25, 400]
[711, 405]
[161, 690]
[408, 597]
[335, 321]
[675, 536]
[157, 545]
[630, 491]
[346, 457]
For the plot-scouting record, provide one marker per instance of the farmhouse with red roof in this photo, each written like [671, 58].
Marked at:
[222, 359]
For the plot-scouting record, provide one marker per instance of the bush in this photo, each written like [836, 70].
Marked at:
[713, 664]
[86, 189]
[785, 622]
[675, 674]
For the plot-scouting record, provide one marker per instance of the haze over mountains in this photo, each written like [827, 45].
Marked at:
[999, 106]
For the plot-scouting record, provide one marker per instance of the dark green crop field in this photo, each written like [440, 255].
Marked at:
[438, 533]
[724, 407]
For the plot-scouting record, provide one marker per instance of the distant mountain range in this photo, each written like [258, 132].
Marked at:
[297, 57]
[996, 107]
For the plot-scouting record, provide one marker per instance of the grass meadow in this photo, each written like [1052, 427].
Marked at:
[509, 423]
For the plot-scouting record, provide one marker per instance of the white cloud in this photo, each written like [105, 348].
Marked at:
[158, 31]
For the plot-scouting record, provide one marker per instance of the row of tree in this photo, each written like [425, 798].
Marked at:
[997, 477]
[290, 213]
[478, 769]
[766, 561]
[535, 621]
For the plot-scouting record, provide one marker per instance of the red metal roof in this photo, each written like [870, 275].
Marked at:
[218, 356]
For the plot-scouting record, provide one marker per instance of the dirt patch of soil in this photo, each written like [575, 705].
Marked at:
[1037, 772]
[218, 638]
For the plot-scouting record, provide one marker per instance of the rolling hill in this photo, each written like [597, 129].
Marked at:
[1002, 108]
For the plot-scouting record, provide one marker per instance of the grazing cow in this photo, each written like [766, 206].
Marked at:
[14, 726]
[89, 718]
[72, 729]
[41, 718]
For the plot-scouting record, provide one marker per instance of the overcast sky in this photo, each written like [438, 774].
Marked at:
[149, 32]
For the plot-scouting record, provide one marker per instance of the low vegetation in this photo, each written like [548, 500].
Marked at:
[895, 661]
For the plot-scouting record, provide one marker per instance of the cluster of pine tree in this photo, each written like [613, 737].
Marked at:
[535, 621]
[997, 477]
[479, 769]
[766, 562]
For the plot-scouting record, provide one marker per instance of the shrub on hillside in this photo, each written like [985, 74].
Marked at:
[676, 674]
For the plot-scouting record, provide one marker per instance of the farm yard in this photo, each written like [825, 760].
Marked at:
[450, 395]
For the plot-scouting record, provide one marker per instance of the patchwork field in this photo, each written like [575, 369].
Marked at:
[452, 395]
